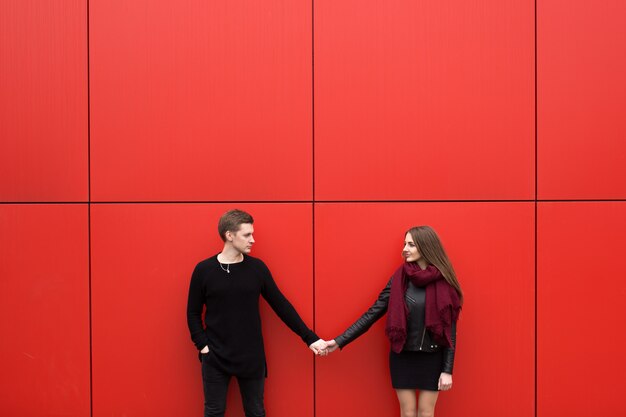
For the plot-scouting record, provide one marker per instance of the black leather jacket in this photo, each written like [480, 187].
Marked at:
[418, 338]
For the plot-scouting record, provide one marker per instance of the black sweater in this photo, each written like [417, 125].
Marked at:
[233, 324]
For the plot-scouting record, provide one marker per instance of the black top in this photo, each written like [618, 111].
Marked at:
[232, 320]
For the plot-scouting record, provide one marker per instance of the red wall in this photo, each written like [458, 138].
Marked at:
[128, 127]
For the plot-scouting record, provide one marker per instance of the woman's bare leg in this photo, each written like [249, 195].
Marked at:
[426, 403]
[408, 402]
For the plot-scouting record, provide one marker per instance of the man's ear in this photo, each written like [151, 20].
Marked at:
[229, 236]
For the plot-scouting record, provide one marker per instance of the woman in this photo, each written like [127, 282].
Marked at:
[423, 299]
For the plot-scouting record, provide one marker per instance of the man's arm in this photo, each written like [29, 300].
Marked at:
[195, 303]
[288, 314]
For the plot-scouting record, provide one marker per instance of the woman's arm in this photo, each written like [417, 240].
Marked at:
[445, 379]
[448, 352]
[371, 316]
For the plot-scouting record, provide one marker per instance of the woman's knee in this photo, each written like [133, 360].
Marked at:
[426, 403]
[426, 412]
[408, 413]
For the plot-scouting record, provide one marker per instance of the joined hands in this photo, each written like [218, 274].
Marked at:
[323, 347]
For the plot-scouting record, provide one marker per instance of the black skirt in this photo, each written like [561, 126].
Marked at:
[415, 370]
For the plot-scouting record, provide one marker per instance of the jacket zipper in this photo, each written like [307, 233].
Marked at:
[422, 342]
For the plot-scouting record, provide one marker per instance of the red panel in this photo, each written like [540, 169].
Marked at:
[492, 248]
[43, 100]
[581, 99]
[144, 362]
[451, 83]
[44, 300]
[192, 95]
[581, 309]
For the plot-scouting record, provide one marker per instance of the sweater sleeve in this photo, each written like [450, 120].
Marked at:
[195, 303]
[371, 316]
[284, 309]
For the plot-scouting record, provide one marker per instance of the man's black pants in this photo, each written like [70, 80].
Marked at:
[216, 382]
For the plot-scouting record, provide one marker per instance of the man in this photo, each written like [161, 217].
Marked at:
[229, 285]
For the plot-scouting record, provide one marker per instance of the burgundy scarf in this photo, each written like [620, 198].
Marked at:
[442, 304]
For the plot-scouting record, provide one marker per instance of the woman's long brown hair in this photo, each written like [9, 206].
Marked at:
[431, 249]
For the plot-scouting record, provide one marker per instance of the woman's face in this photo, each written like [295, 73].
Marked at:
[410, 252]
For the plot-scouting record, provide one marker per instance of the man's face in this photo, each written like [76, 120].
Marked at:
[242, 239]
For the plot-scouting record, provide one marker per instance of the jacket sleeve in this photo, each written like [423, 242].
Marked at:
[371, 316]
[448, 352]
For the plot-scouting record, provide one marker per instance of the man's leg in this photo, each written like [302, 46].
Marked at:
[215, 388]
[252, 391]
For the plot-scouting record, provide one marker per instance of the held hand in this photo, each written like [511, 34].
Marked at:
[445, 381]
[205, 350]
[319, 347]
[332, 345]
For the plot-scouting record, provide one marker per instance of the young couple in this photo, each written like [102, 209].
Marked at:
[422, 300]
